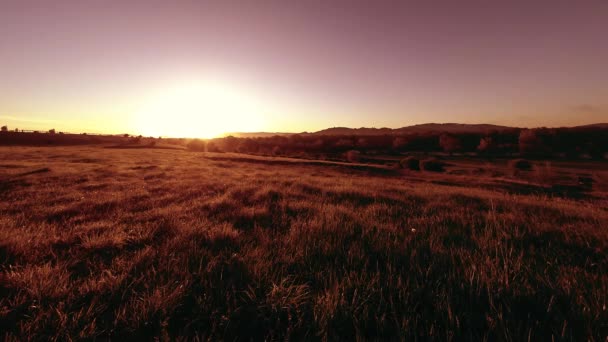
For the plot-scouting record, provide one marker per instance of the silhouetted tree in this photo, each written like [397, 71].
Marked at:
[486, 145]
[52, 131]
[317, 144]
[4, 129]
[362, 142]
[213, 147]
[353, 156]
[248, 145]
[344, 144]
[229, 143]
[530, 143]
[450, 143]
[399, 143]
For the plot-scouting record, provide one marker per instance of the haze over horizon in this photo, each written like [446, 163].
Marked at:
[188, 68]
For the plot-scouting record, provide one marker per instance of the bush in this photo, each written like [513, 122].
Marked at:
[353, 156]
[410, 163]
[196, 145]
[433, 165]
[520, 164]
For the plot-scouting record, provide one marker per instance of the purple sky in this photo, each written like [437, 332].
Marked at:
[89, 65]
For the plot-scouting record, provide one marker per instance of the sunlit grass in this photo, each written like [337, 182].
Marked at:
[153, 243]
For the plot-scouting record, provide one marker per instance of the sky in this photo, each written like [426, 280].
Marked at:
[200, 68]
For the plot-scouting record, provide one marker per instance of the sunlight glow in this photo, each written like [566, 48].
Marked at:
[199, 110]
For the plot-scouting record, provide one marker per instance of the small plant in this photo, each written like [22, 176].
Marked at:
[353, 156]
[212, 146]
[410, 163]
[196, 145]
[586, 182]
[544, 173]
[432, 165]
[276, 151]
[520, 164]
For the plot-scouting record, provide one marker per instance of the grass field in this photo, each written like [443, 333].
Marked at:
[141, 243]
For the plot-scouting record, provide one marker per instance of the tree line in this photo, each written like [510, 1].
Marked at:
[582, 142]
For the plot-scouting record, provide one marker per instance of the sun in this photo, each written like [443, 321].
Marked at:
[198, 110]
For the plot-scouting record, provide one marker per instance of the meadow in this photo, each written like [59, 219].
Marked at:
[101, 243]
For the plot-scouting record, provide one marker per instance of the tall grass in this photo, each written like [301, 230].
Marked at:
[159, 244]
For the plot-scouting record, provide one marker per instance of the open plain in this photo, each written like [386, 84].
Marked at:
[106, 243]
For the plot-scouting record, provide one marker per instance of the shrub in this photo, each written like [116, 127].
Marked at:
[353, 156]
[486, 145]
[543, 172]
[196, 145]
[410, 163]
[520, 164]
[585, 182]
[212, 146]
[433, 165]
[248, 145]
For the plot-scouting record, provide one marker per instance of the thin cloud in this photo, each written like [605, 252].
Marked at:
[587, 108]
[27, 120]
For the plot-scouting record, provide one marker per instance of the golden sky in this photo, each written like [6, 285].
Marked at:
[190, 68]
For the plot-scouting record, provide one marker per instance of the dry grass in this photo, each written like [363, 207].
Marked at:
[128, 244]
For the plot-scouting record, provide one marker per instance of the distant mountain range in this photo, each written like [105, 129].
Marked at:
[597, 125]
[428, 127]
[422, 128]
